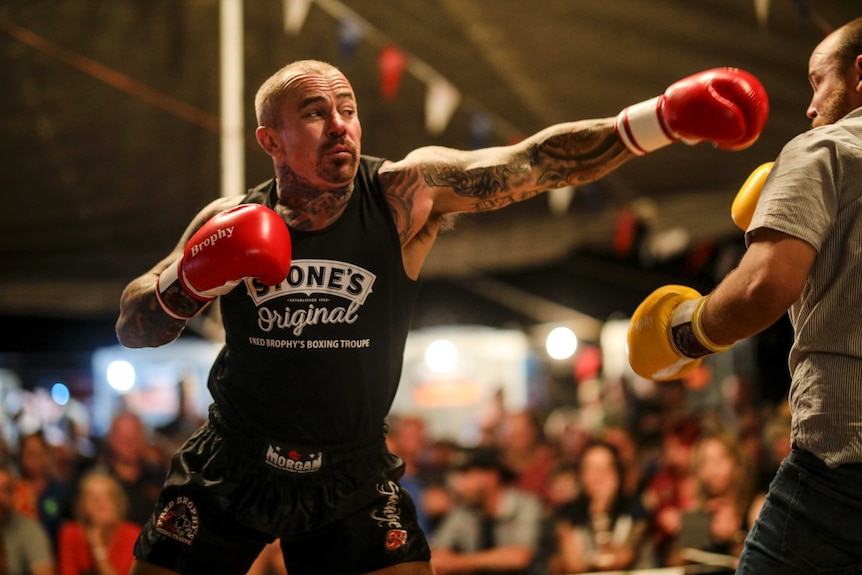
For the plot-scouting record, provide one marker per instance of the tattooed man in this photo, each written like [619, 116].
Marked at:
[317, 272]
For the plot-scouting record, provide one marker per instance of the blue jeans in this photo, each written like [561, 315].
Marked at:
[811, 521]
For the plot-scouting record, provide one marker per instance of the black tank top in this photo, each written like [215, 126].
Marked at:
[317, 359]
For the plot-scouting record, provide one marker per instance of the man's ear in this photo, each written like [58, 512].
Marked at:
[857, 69]
[268, 140]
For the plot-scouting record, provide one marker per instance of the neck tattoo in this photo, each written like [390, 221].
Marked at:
[305, 207]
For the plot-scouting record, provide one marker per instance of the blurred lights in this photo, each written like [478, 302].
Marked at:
[121, 375]
[561, 343]
[60, 393]
[441, 356]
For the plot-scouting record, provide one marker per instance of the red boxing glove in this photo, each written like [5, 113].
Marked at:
[249, 240]
[726, 106]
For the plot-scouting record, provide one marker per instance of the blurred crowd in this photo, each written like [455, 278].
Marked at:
[554, 493]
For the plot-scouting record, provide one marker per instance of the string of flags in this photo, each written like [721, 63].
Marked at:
[803, 8]
[442, 98]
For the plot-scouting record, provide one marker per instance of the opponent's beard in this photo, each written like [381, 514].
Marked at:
[834, 108]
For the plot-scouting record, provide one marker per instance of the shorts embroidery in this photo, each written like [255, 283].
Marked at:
[293, 461]
[390, 515]
[395, 538]
[179, 520]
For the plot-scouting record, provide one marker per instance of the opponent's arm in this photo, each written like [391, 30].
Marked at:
[768, 279]
[674, 328]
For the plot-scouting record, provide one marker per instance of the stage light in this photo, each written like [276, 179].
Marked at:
[561, 343]
[121, 375]
[441, 356]
[60, 393]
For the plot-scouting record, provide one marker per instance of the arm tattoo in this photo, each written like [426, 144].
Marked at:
[560, 159]
[142, 321]
[406, 183]
[573, 158]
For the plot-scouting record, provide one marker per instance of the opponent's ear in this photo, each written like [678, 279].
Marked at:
[857, 70]
[268, 140]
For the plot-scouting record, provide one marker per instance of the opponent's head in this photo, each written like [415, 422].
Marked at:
[835, 73]
[308, 124]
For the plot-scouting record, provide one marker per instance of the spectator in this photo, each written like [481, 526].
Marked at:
[717, 523]
[564, 486]
[776, 448]
[525, 451]
[672, 488]
[406, 438]
[437, 498]
[98, 541]
[78, 451]
[170, 436]
[40, 493]
[603, 529]
[567, 431]
[629, 454]
[777, 444]
[494, 527]
[25, 548]
[126, 458]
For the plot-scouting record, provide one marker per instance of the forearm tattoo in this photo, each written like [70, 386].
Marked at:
[407, 182]
[567, 158]
[142, 321]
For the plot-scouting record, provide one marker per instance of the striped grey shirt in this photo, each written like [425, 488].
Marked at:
[815, 193]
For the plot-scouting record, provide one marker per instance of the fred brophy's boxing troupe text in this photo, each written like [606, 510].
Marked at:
[311, 343]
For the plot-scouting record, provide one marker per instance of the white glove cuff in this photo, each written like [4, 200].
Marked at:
[697, 327]
[640, 128]
[686, 331]
[173, 295]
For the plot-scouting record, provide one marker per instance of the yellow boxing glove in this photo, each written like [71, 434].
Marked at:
[746, 198]
[665, 338]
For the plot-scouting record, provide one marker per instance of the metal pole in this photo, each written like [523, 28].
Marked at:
[232, 73]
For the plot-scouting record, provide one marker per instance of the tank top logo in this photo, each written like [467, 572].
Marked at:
[315, 292]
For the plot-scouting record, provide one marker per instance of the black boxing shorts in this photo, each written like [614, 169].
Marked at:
[227, 495]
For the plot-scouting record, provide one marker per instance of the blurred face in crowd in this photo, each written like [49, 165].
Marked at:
[563, 487]
[599, 474]
[34, 456]
[716, 467]
[126, 439]
[407, 437]
[99, 502]
[473, 485]
[677, 453]
[518, 432]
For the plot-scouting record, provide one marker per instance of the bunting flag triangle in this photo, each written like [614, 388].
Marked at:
[392, 62]
[761, 11]
[560, 199]
[349, 37]
[441, 101]
[480, 130]
[295, 12]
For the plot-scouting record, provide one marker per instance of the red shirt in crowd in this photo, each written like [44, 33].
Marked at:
[74, 555]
